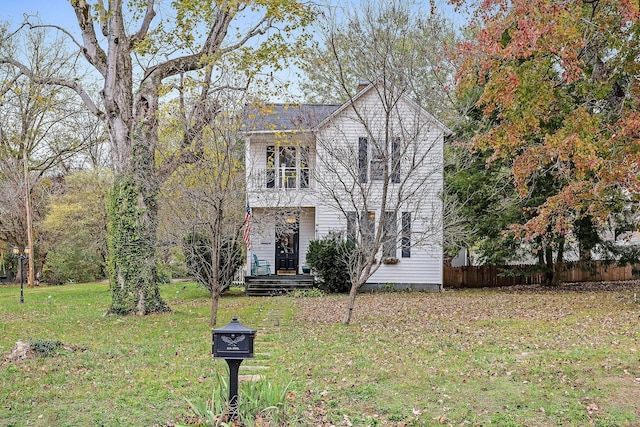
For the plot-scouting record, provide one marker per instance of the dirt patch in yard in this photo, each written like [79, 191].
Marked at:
[20, 352]
[24, 350]
[626, 392]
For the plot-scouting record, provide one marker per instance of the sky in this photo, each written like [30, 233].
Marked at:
[60, 12]
[57, 12]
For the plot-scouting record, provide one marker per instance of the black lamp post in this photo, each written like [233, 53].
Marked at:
[21, 256]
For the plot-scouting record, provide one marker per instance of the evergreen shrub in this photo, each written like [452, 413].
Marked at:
[328, 259]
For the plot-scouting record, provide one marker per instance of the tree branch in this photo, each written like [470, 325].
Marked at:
[255, 31]
[73, 85]
[9, 85]
[144, 27]
[182, 157]
[58, 28]
[91, 48]
[193, 62]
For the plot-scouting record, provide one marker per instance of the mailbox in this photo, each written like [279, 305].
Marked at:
[233, 341]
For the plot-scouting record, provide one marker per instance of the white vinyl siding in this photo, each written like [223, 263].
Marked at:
[423, 267]
[421, 262]
[307, 233]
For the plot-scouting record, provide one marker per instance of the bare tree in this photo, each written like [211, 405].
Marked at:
[38, 132]
[202, 204]
[418, 46]
[387, 184]
[393, 175]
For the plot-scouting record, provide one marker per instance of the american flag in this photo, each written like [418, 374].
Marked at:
[246, 236]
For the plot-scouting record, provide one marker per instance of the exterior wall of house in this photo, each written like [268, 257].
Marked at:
[263, 235]
[307, 233]
[333, 160]
[424, 139]
[422, 270]
[263, 238]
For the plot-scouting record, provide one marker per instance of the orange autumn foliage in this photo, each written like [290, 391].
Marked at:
[560, 95]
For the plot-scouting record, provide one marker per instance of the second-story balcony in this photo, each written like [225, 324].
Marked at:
[282, 178]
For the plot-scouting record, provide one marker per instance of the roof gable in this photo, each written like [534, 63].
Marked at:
[286, 117]
[290, 117]
[372, 86]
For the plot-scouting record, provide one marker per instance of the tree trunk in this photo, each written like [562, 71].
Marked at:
[557, 267]
[215, 273]
[352, 302]
[216, 261]
[548, 272]
[133, 212]
[215, 298]
[132, 265]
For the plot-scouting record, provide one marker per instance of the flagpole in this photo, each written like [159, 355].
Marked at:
[246, 234]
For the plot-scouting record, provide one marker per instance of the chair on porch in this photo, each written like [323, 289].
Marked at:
[260, 266]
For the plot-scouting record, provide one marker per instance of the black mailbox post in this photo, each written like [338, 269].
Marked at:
[234, 343]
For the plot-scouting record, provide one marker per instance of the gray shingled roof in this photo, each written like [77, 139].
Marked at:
[279, 117]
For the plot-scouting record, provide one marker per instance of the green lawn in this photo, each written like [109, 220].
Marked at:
[484, 357]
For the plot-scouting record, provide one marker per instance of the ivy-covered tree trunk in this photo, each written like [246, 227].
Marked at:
[133, 213]
[132, 267]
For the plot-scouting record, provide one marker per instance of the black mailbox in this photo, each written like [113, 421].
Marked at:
[233, 341]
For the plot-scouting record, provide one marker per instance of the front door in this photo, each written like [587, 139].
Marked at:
[287, 238]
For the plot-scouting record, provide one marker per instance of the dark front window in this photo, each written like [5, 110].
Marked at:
[365, 229]
[373, 158]
[368, 228]
[287, 167]
[391, 229]
[406, 234]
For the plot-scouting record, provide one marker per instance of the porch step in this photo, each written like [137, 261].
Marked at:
[276, 285]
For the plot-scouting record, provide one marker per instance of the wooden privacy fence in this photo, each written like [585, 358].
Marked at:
[510, 275]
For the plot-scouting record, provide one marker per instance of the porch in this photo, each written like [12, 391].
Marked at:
[272, 285]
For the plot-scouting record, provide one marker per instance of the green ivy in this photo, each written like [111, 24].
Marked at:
[131, 250]
[45, 348]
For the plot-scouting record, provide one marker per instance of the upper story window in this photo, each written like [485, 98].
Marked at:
[373, 159]
[377, 163]
[287, 167]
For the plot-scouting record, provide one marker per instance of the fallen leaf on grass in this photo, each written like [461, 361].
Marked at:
[592, 408]
[442, 419]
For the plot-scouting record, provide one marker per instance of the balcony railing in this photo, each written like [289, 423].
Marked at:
[282, 178]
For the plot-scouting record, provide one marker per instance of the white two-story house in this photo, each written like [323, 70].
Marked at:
[315, 169]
